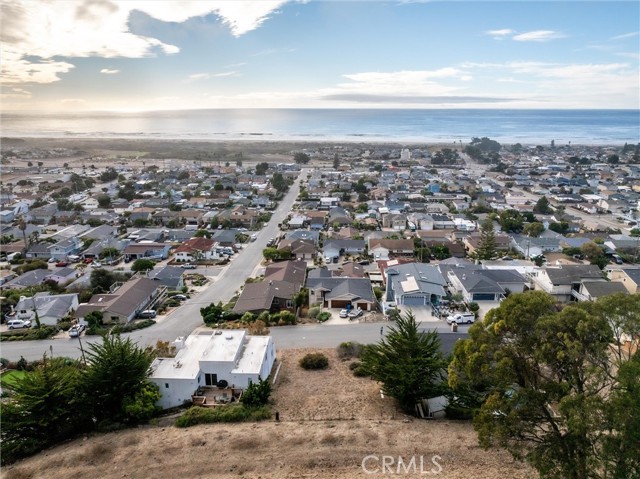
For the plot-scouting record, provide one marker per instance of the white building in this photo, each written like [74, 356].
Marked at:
[206, 360]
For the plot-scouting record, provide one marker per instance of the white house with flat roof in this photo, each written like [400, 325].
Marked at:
[206, 360]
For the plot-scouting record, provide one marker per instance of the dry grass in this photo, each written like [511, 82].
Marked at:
[310, 442]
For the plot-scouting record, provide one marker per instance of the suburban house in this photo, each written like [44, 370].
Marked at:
[592, 290]
[282, 281]
[125, 303]
[564, 282]
[272, 296]
[629, 277]
[144, 250]
[414, 284]
[169, 276]
[195, 249]
[225, 358]
[30, 278]
[50, 308]
[62, 275]
[472, 242]
[333, 249]
[300, 249]
[479, 284]
[340, 292]
[390, 248]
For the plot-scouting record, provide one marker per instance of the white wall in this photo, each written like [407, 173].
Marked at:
[179, 391]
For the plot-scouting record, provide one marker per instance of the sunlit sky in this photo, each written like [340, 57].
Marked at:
[61, 55]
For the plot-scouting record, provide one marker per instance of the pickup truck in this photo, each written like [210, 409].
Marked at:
[188, 266]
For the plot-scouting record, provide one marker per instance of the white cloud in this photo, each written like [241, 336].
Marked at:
[538, 36]
[624, 36]
[500, 34]
[34, 33]
[108, 71]
[207, 76]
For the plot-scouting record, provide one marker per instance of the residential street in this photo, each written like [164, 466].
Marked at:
[183, 320]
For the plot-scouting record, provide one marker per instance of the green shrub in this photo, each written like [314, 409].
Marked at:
[474, 307]
[45, 332]
[314, 361]
[349, 350]
[256, 394]
[313, 312]
[322, 317]
[127, 328]
[235, 413]
[287, 317]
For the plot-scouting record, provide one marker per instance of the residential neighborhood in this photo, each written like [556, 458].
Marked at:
[370, 233]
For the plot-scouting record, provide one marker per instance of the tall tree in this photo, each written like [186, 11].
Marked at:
[487, 246]
[549, 389]
[41, 408]
[116, 378]
[542, 206]
[407, 362]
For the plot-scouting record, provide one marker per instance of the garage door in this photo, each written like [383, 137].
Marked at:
[413, 300]
[484, 297]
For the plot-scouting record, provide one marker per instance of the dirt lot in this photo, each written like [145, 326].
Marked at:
[331, 421]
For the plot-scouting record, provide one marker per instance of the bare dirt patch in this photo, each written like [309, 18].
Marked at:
[331, 421]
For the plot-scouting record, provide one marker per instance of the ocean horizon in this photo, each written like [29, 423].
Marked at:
[591, 127]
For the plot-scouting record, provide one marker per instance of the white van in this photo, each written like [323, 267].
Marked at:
[461, 318]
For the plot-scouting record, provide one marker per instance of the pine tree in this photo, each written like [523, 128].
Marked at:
[487, 247]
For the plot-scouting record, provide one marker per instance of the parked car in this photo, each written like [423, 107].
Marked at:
[61, 264]
[254, 237]
[354, 313]
[344, 313]
[188, 266]
[147, 314]
[88, 260]
[96, 264]
[461, 318]
[51, 260]
[76, 330]
[181, 297]
[18, 323]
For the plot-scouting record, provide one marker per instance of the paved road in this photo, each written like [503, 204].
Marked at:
[183, 320]
[285, 337]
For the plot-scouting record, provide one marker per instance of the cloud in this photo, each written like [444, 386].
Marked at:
[499, 34]
[538, 36]
[36, 34]
[624, 36]
[207, 76]
[108, 71]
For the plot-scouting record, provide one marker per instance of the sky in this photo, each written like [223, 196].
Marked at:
[137, 55]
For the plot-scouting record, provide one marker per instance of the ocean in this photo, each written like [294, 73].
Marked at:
[593, 127]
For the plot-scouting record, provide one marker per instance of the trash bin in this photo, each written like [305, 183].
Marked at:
[454, 327]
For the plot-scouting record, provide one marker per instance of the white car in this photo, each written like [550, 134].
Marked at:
[19, 323]
[96, 264]
[344, 313]
[461, 318]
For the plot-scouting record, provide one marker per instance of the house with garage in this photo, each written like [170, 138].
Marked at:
[123, 304]
[146, 250]
[564, 282]
[276, 292]
[414, 284]
[225, 359]
[25, 280]
[300, 249]
[195, 249]
[340, 292]
[476, 283]
[170, 276]
[390, 248]
[335, 248]
[50, 308]
[592, 290]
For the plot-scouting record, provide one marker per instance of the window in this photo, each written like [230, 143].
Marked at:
[210, 379]
[166, 385]
[289, 303]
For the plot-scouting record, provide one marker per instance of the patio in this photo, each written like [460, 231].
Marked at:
[211, 396]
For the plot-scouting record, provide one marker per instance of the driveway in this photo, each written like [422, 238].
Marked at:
[422, 314]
